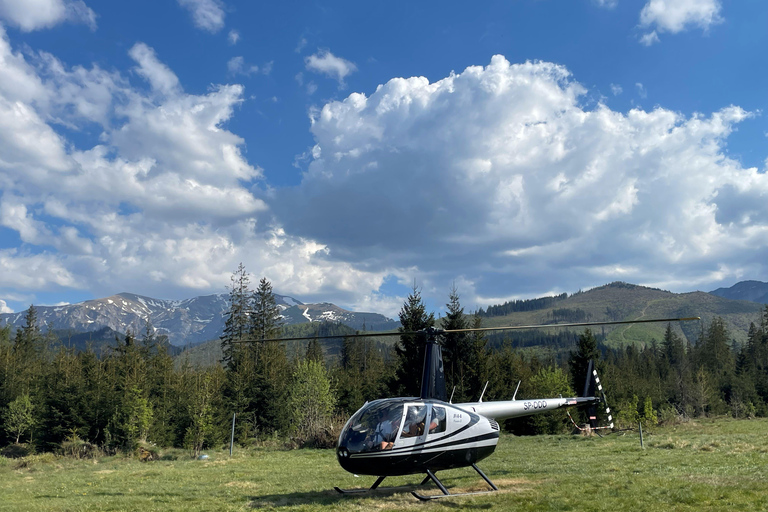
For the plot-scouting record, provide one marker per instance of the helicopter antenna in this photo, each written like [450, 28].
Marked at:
[518, 387]
[450, 400]
[480, 400]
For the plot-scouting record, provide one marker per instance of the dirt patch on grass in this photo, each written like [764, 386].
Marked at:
[242, 485]
[505, 485]
[219, 462]
[105, 471]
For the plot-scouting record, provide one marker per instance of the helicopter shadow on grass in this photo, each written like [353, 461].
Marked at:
[331, 497]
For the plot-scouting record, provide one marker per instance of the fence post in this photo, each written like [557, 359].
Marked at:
[232, 439]
[640, 424]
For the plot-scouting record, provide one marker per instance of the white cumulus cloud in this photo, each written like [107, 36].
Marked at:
[31, 15]
[501, 172]
[328, 64]
[165, 203]
[675, 16]
[206, 14]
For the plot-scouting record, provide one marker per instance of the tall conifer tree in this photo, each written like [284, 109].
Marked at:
[579, 360]
[410, 347]
[456, 350]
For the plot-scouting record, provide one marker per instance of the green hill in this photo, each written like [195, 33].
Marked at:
[623, 301]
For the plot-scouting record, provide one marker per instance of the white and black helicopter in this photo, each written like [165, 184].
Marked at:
[427, 434]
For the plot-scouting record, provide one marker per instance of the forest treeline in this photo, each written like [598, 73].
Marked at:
[54, 398]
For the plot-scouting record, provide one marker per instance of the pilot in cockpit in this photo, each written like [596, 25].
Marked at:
[386, 430]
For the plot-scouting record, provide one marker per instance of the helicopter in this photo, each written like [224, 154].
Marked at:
[426, 434]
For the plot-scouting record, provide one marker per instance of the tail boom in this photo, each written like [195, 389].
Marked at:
[506, 409]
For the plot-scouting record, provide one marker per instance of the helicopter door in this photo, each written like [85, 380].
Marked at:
[413, 431]
[437, 422]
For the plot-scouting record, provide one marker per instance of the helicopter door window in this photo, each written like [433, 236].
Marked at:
[414, 421]
[386, 430]
[437, 420]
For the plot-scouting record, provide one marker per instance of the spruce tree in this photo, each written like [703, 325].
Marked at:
[237, 322]
[315, 351]
[456, 349]
[673, 348]
[273, 373]
[579, 360]
[410, 347]
[265, 322]
[477, 361]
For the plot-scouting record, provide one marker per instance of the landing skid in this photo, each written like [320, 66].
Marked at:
[360, 491]
[446, 494]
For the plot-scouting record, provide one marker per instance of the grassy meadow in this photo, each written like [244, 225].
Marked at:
[699, 465]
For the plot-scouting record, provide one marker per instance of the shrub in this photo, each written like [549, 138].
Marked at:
[78, 448]
[16, 451]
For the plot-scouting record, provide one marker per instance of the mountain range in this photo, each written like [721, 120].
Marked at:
[199, 319]
[185, 322]
[754, 291]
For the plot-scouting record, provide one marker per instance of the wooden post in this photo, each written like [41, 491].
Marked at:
[640, 424]
[232, 439]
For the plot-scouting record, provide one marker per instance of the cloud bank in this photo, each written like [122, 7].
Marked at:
[165, 204]
[500, 176]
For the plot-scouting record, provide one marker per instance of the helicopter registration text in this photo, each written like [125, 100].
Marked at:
[541, 404]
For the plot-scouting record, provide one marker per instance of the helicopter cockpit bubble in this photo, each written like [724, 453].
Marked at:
[373, 428]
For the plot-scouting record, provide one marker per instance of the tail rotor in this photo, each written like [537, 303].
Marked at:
[594, 389]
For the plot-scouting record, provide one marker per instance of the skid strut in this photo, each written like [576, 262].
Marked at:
[431, 476]
[360, 491]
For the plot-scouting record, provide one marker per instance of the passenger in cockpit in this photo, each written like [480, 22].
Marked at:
[386, 430]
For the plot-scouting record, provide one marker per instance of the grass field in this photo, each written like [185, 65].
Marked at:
[700, 465]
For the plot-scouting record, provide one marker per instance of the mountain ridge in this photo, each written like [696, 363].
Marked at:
[184, 322]
[754, 291]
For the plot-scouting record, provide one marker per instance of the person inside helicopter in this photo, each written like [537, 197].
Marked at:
[386, 431]
[414, 421]
[374, 427]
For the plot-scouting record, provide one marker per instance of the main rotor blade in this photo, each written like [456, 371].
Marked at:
[477, 329]
[328, 337]
[578, 324]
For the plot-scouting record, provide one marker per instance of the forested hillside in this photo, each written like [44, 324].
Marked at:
[54, 397]
[623, 301]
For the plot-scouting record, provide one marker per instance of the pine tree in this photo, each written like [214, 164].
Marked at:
[266, 321]
[456, 349]
[579, 360]
[673, 348]
[362, 373]
[410, 347]
[27, 355]
[315, 351]
[477, 361]
[273, 373]
[237, 322]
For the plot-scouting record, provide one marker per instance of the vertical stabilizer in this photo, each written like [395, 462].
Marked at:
[433, 375]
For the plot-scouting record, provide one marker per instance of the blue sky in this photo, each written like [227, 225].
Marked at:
[347, 151]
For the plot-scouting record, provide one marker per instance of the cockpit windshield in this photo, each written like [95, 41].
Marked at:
[373, 428]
